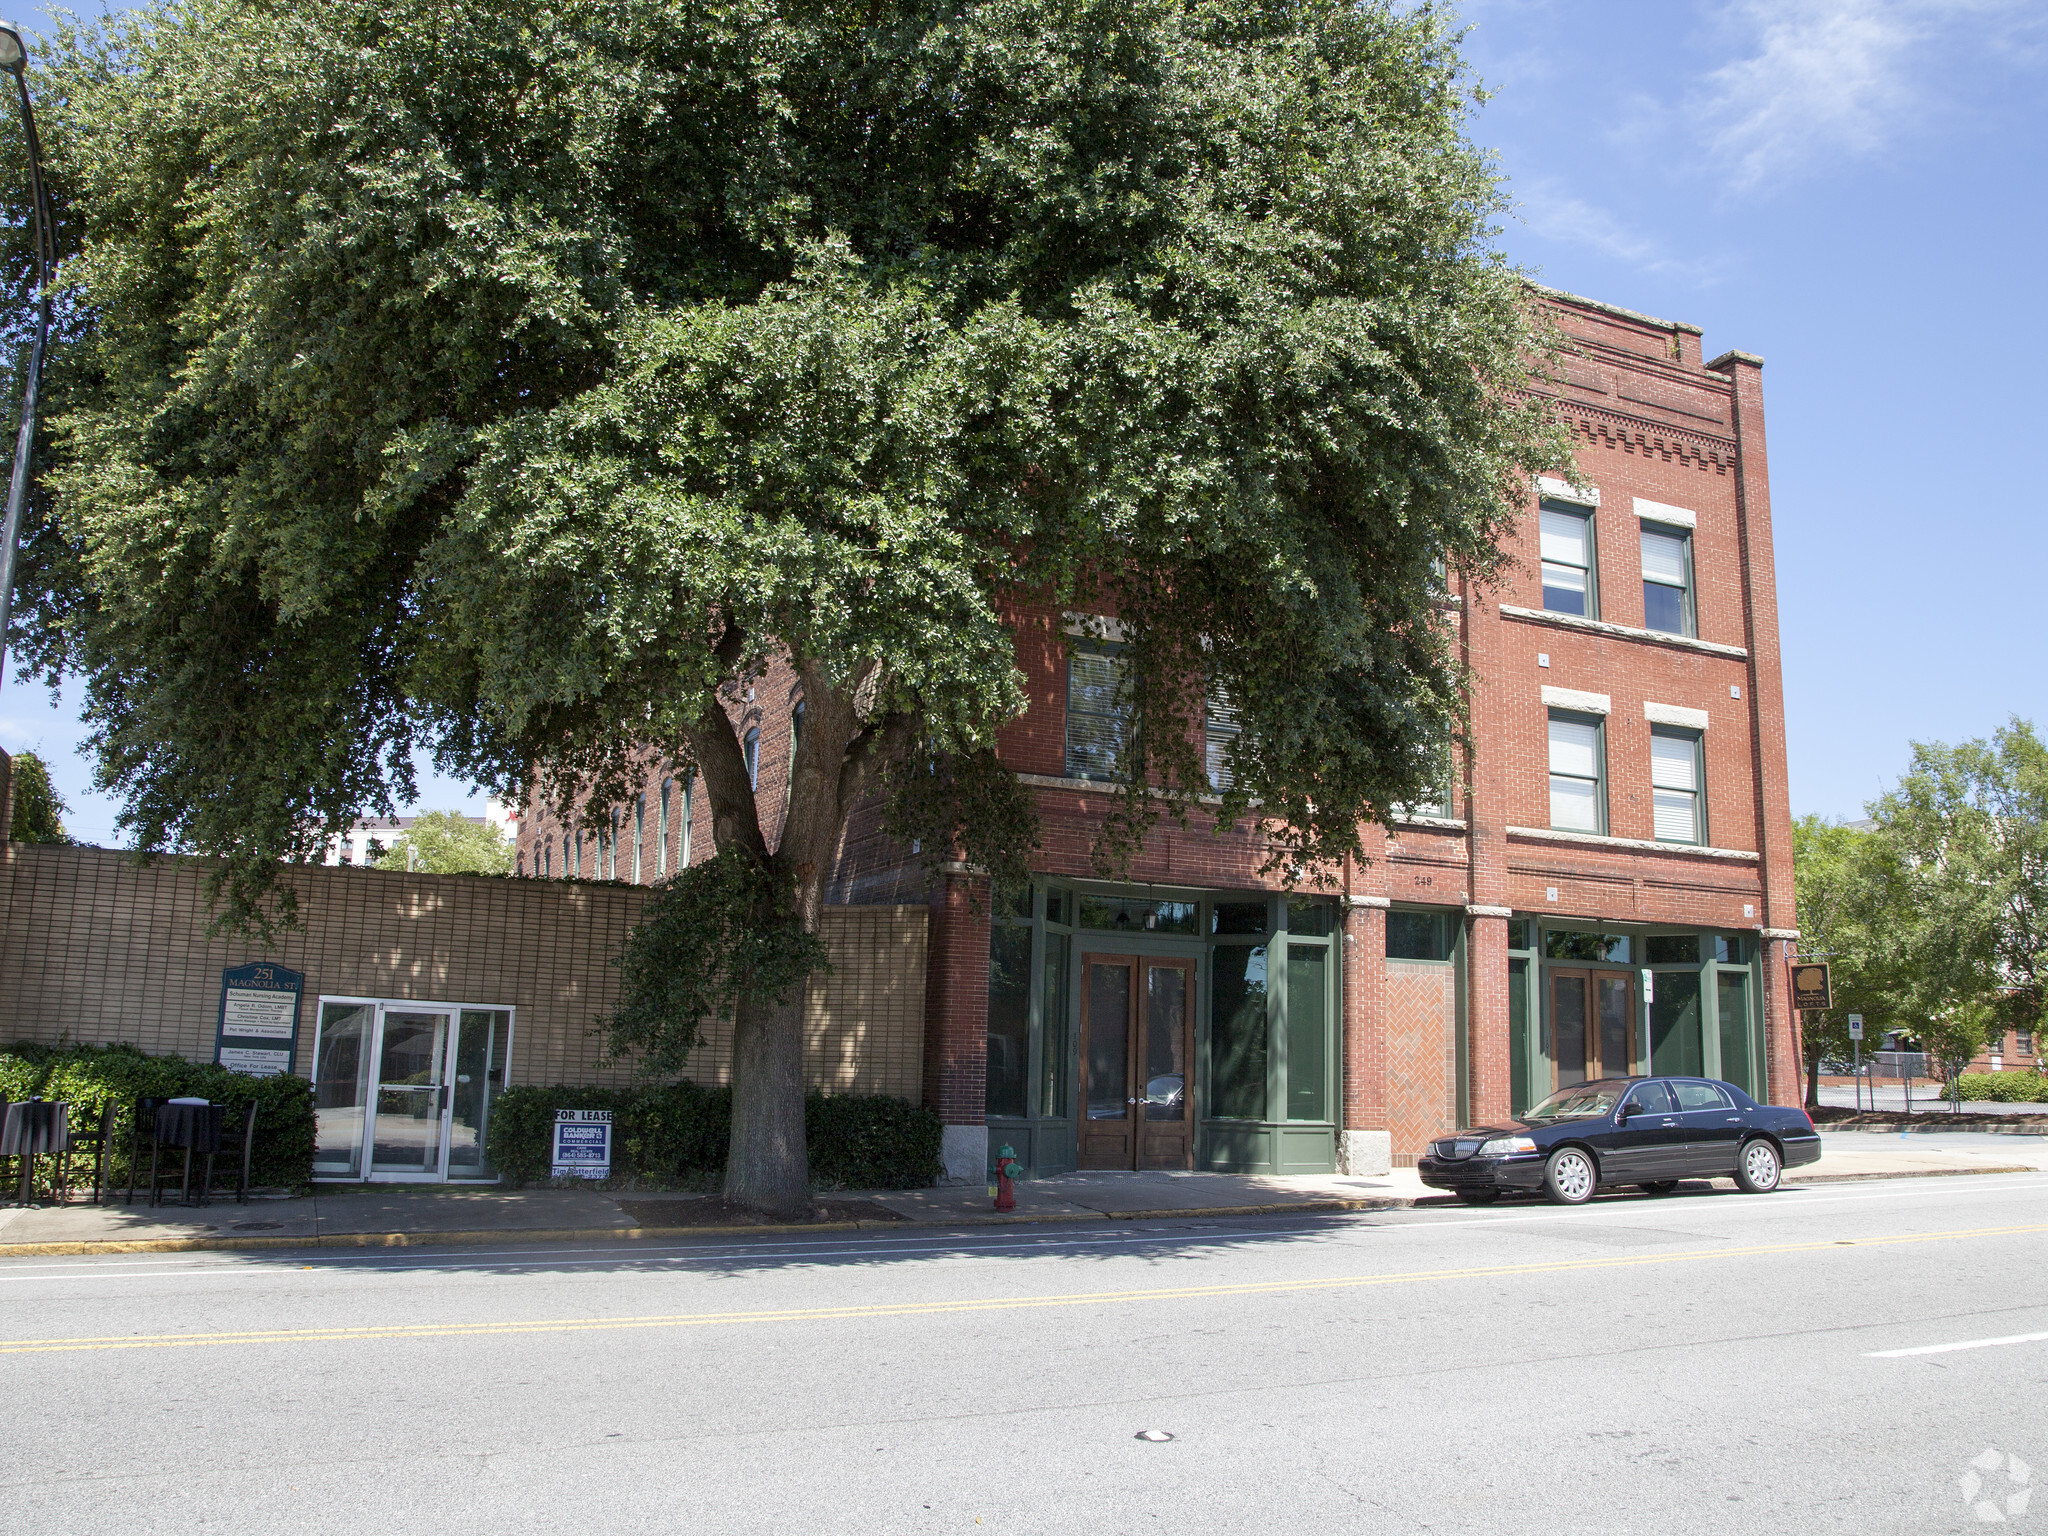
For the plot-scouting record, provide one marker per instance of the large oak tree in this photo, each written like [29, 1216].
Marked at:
[517, 380]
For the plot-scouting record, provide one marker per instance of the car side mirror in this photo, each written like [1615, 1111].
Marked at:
[1628, 1109]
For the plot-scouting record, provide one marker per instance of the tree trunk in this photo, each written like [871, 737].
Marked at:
[1813, 1082]
[768, 1168]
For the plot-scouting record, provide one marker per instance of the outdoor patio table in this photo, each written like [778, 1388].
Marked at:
[33, 1128]
[194, 1126]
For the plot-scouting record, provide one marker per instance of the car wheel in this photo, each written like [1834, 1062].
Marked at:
[1658, 1186]
[1479, 1196]
[1569, 1177]
[1757, 1169]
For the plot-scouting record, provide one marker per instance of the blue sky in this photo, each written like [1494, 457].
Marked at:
[1855, 189]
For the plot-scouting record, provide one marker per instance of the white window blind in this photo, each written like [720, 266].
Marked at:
[1220, 728]
[1095, 714]
[1564, 538]
[1663, 558]
[1574, 774]
[1675, 785]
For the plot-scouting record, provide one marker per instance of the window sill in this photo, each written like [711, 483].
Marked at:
[1621, 631]
[1095, 786]
[1634, 844]
[1441, 823]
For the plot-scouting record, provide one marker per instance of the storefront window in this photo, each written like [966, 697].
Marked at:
[1310, 919]
[1308, 1016]
[1054, 1097]
[1237, 1033]
[1672, 949]
[1518, 1033]
[1734, 1001]
[1588, 948]
[1676, 1047]
[1009, 1018]
[1418, 936]
[1238, 917]
[1126, 915]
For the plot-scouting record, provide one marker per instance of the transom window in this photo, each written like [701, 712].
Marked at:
[1577, 800]
[1568, 583]
[1675, 785]
[1667, 579]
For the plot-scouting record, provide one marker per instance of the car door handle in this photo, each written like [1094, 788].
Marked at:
[1735, 1119]
[1669, 1120]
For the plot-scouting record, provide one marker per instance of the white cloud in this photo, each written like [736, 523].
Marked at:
[1823, 79]
[1553, 213]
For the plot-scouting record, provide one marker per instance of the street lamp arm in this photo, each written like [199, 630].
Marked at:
[24, 441]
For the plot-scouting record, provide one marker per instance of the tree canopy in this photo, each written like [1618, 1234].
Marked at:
[449, 843]
[39, 811]
[518, 381]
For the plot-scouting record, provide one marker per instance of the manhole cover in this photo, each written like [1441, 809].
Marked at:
[256, 1226]
[1156, 1436]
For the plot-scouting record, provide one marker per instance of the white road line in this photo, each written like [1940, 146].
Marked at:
[1949, 1349]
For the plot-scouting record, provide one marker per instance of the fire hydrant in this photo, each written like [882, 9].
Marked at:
[1003, 1179]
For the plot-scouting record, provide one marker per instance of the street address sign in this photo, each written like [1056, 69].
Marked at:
[1855, 1026]
[1810, 985]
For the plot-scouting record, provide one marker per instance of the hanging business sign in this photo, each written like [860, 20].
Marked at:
[1810, 985]
[583, 1143]
[259, 1020]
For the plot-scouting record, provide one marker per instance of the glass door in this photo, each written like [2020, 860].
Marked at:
[409, 1127]
[404, 1090]
[1137, 1048]
[1592, 1025]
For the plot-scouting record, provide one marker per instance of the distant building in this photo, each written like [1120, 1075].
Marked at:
[372, 835]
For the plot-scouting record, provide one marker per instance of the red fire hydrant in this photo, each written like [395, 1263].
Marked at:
[1007, 1172]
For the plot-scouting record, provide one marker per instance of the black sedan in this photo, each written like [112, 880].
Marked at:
[1646, 1131]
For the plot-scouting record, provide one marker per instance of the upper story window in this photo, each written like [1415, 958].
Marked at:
[1569, 585]
[639, 823]
[1667, 579]
[1578, 792]
[1097, 711]
[752, 750]
[1220, 727]
[661, 830]
[1675, 782]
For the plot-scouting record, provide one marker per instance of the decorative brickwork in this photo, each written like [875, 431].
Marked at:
[1422, 1055]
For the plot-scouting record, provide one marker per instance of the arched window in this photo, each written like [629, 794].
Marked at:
[639, 822]
[578, 866]
[661, 830]
[611, 856]
[689, 816]
[753, 752]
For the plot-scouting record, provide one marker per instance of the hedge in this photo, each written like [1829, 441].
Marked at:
[88, 1076]
[2004, 1087]
[679, 1133]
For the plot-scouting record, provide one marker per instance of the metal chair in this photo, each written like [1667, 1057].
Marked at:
[96, 1140]
[141, 1128]
[227, 1150]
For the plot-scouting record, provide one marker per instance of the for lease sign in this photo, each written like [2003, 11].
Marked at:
[583, 1143]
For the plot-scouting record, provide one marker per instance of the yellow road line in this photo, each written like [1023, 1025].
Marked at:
[977, 1304]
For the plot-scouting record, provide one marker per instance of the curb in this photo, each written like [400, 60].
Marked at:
[2033, 1125]
[644, 1234]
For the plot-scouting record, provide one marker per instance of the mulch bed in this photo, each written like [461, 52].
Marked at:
[715, 1211]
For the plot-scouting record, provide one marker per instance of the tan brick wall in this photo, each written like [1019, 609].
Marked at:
[98, 948]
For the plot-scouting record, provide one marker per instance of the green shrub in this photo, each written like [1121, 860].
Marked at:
[679, 1134]
[2005, 1087]
[89, 1076]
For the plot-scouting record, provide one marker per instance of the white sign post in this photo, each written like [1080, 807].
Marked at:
[1856, 1037]
[583, 1143]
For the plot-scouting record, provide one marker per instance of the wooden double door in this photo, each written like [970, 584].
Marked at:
[1592, 1025]
[1137, 1062]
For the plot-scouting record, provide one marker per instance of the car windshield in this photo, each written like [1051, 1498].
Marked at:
[1587, 1101]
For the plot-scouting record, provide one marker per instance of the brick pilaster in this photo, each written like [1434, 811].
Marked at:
[1486, 1017]
[956, 1001]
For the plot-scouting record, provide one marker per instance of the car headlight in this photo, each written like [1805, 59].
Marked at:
[1507, 1146]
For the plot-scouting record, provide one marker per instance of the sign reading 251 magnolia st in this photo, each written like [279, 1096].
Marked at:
[259, 1019]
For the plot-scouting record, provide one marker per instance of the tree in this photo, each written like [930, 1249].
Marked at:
[523, 380]
[449, 843]
[39, 810]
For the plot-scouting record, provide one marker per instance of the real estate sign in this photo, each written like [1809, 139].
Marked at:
[583, 1143]
[1810, 985]
[259, 1019]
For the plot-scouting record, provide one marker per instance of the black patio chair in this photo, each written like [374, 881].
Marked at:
[94, 1140]
[141, 1134]
[226, 1155]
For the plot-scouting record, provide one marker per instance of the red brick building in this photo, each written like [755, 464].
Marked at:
[1604, 887]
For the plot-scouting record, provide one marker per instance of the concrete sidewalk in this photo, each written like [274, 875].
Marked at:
[391, 1216]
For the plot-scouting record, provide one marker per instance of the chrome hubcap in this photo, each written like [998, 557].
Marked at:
[1574, 1176]
[1762, 1165]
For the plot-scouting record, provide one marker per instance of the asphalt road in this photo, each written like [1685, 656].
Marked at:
[1699, 1364]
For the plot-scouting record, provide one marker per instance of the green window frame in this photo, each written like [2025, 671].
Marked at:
[1578, 771]
[1678, 785]
[1571, 567]
[1667, 578]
